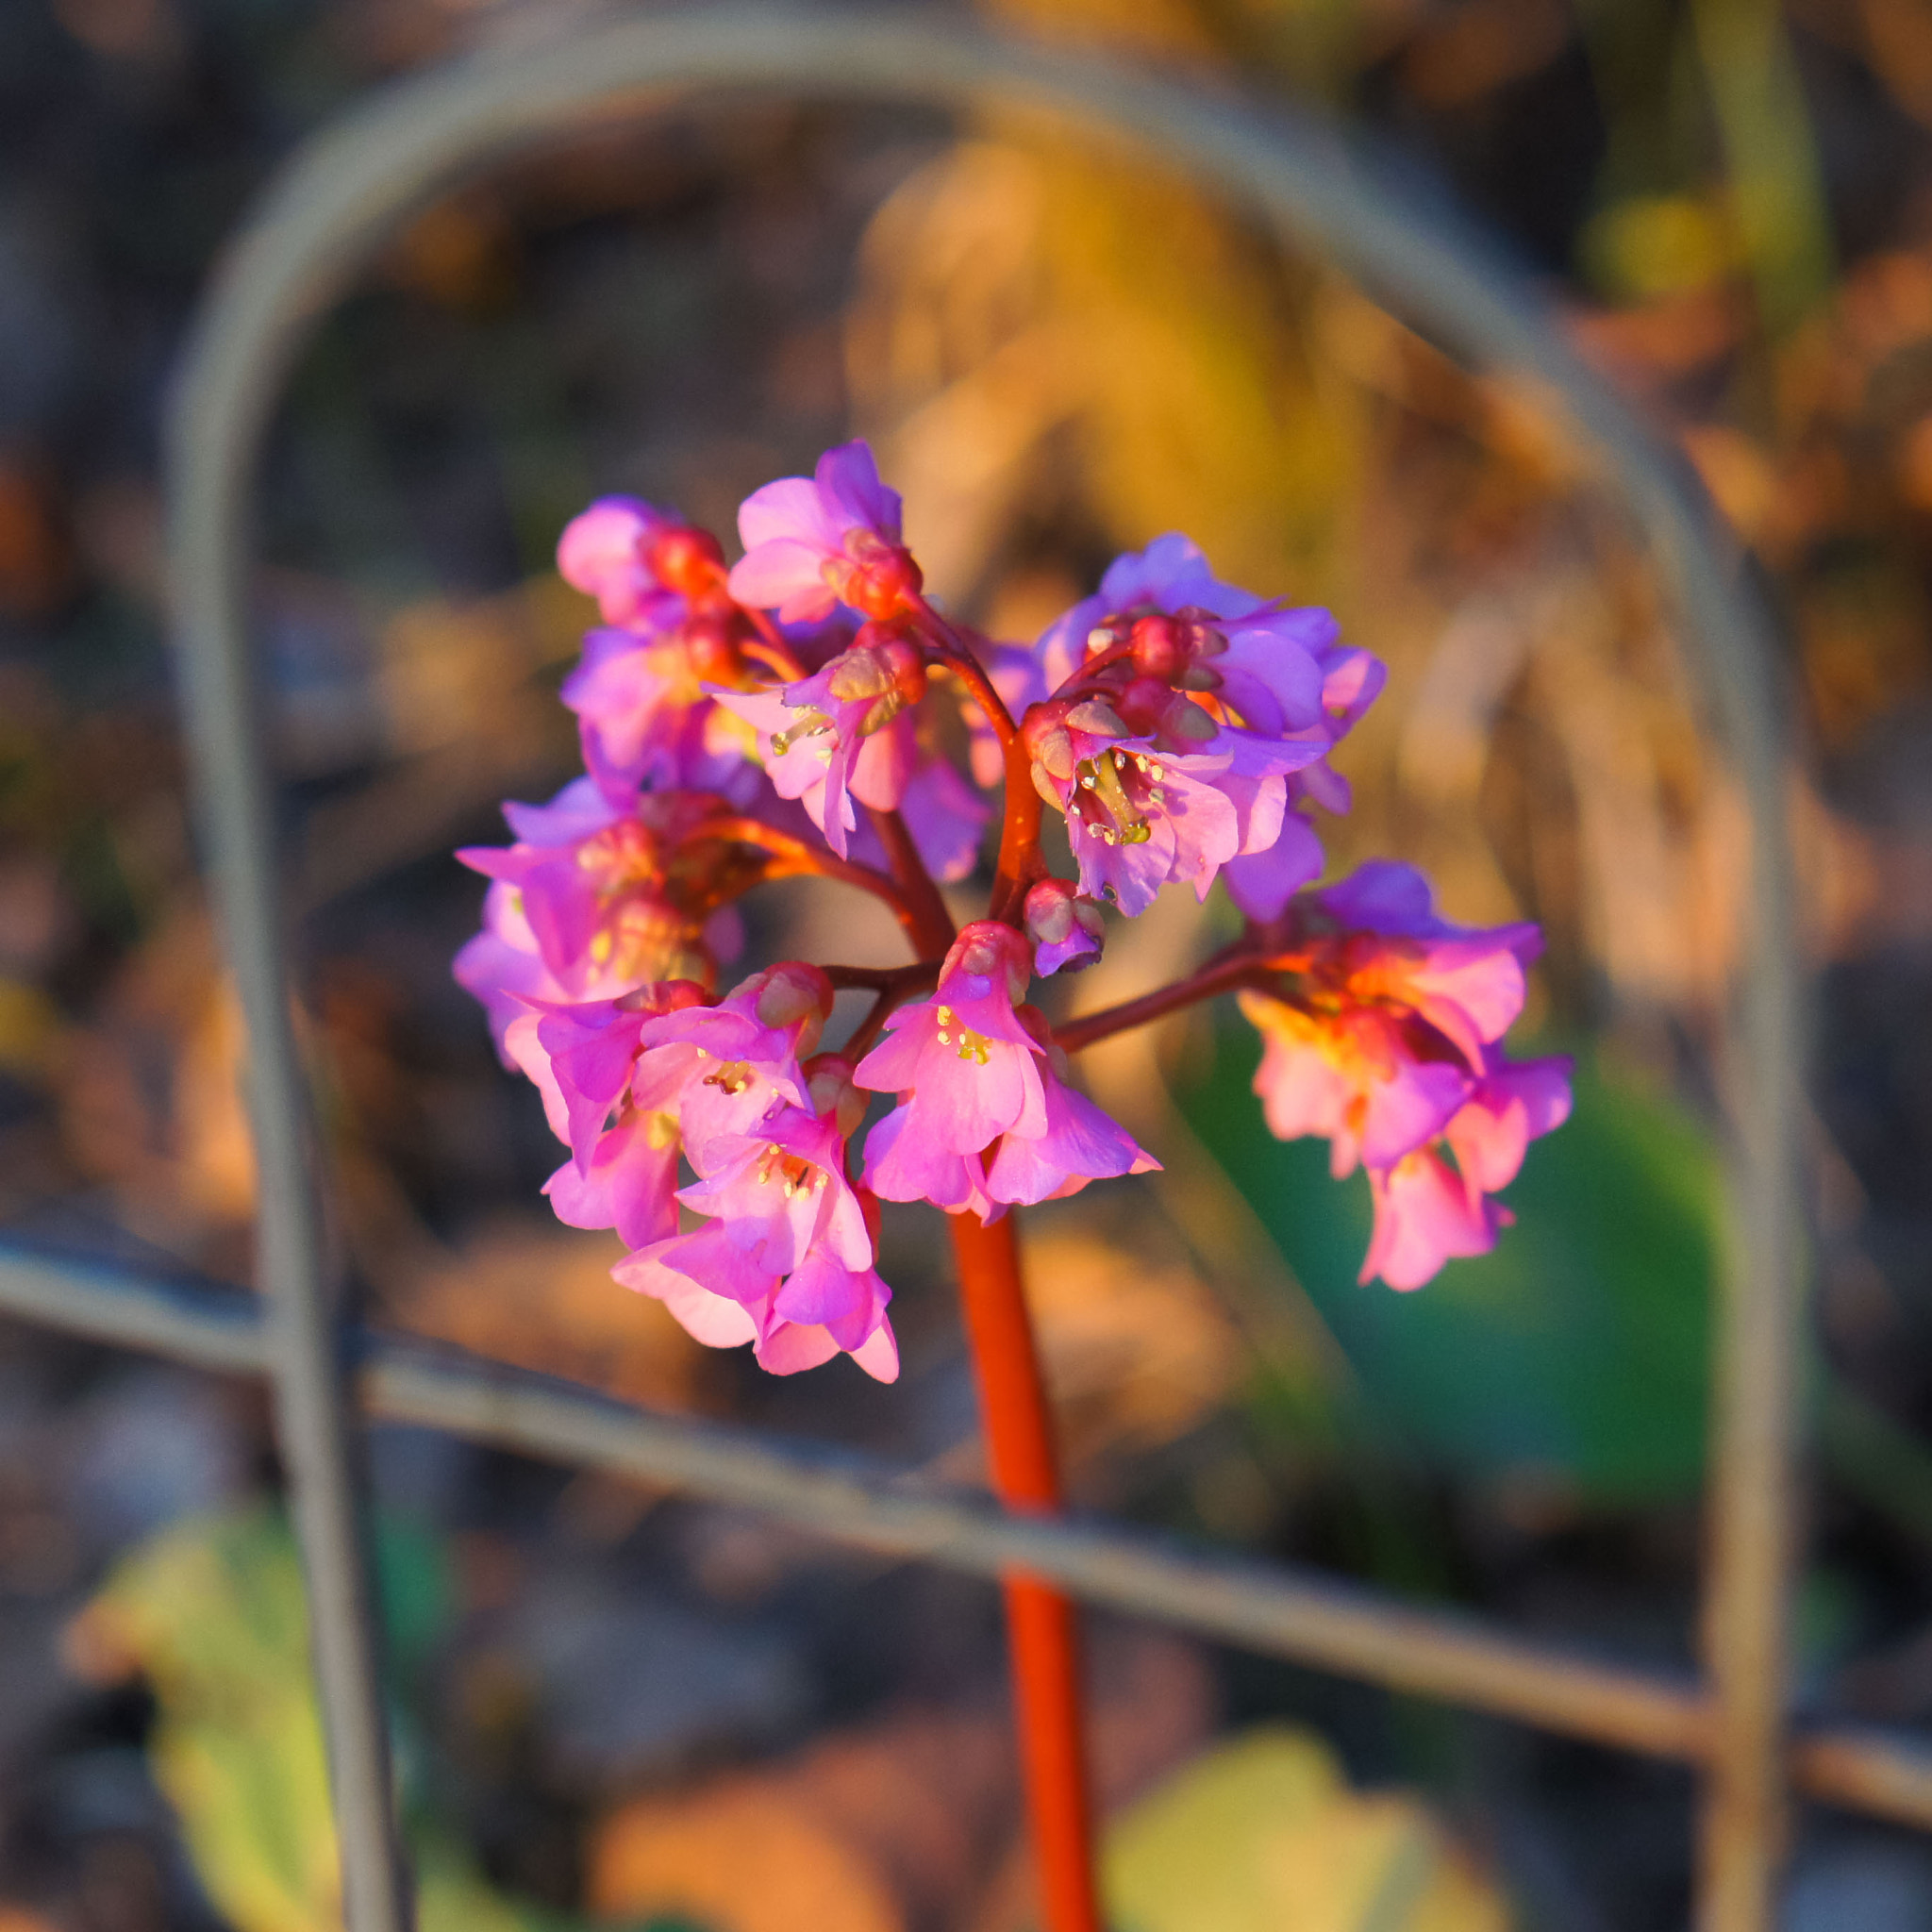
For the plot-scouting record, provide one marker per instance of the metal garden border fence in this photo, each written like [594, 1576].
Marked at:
[333, 207]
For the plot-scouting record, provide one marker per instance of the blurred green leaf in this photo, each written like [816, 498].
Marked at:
[212, 1613]
[1580, 1347]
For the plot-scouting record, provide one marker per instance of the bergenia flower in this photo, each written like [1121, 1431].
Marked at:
[1184, 729]
[1427, 1211]
[1382, 1038]
[611, 898]
[1226, 694]
[646, 715]
[723, 1069]
[582, 1059]
[1156, 792]
[631, 555]
[787, 1260]
[813, 543]
[825, 738]
[1425, 1216]
[605, 552]
[971, 1070]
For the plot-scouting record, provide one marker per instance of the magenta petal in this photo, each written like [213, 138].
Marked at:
[1424, 1217]
[629, 1184]
[788, 1349]
[945, 816]
[1413, 1106]
[684, 1274]
[1261, 883]
[1081, 1142]
[848, 481]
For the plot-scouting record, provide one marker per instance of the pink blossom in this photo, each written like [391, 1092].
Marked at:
[1077, 1143]
[824, 739]
[583, 1060]
[1424, 1217]
[721, 1070]
[1156, 792]
[645, 711]
[787, 1261]
[1262, 657]
[1226, 692]
[608, 898]
[723, 1298]
[1382, 1037]
[812, 543]
[629, 1182]
[1357, 1078]
[969, 1070]
[1514, 1103]
[605, 552]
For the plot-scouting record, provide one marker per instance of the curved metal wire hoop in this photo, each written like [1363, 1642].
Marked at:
[346, 192]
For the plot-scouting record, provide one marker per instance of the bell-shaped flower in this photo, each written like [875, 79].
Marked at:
[723, 1069]
[1514, 1103]
[721, 1297]
[1163, 611]
[1427, 1211]
[606, 552]
[789, 1249]
[1155, 790]
[1076, 1143]
[629, 1182]
[969, 1070]
[622, 1172]
[811, 543]
[825, 738]
[1364, 1078]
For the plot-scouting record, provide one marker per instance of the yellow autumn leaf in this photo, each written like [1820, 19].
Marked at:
[1264, 1835]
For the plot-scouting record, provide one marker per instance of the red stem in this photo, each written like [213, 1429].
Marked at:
[1222, 975]
[1041, 1631]
[1020, 863]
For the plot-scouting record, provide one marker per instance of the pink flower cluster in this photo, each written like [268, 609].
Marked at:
[1381, 1033]
[790, 715]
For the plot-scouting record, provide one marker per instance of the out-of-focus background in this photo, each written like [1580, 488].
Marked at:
[621, 1708]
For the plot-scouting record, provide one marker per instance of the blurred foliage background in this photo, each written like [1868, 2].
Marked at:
[624, 1708]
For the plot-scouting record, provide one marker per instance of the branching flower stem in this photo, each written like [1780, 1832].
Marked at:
[1240, 965]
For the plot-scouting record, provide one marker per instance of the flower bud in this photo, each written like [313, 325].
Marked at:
[1066, 929]
[795, 994]
[828, 1080]
[986, 947]
[664, 996]
[1160, 646]
[686, 559]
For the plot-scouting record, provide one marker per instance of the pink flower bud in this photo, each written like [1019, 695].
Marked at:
[1066, 929]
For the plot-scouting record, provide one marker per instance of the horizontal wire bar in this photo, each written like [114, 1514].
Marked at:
[855, 1500]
